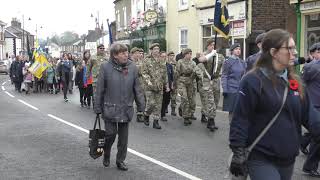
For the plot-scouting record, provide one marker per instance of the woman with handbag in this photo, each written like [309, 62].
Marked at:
[271, 92]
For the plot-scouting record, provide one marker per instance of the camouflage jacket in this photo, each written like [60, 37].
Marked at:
[154, 74]
[187, 71]
[208, 66]
[94, 66]
[139, 65]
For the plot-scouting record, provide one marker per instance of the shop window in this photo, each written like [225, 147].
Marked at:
[183, 39]
[312, 31]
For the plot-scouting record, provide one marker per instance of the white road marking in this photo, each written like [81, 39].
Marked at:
[173, 169]
[4, 83]
[2, 88]
[23, 102]
[70, 124]
[9, 94]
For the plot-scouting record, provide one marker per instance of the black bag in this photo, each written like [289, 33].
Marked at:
[96, 140]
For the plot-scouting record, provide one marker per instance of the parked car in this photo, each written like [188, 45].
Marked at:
[4, 66]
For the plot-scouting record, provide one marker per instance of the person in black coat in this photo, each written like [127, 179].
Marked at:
[16, 73]
[260, 97]
[64, 69]
[80, 81]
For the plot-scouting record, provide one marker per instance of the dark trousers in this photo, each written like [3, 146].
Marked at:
[264, 170]
[89, 94]
[165, 103]
[17, 85]
[306, 139]
[312, 161]
[65, 83]
[82, 94]
[112, 129]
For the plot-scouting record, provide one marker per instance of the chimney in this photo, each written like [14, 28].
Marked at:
[15, 23]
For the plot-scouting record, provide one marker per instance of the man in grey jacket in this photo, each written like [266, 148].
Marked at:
[117, 87]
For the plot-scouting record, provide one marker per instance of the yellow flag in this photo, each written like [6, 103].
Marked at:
[40, 64]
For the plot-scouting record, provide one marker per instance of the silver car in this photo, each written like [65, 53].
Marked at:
[4, 66]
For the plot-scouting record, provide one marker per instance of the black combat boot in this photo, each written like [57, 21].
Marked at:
[187, 121]
[180, 111]
[146, 120]
[204, 119]
[211, 125]
[173, 111]
[156, 124]
[193, 118]
[140, 117]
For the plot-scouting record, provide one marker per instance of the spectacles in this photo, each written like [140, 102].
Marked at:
[291, 49]
[101, 48]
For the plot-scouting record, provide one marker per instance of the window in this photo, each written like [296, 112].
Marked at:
[183, 39]
[118, 20]
[183, 4]
[312, 31]
[125, 17]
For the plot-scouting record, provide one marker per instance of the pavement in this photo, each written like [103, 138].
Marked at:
[42, 137]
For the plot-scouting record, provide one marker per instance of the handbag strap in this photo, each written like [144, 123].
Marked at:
[95, 122]
[285, 94]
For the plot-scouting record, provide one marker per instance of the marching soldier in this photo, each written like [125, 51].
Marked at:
[154, 73]
[187, 71]
[174, 91]
[210, 65]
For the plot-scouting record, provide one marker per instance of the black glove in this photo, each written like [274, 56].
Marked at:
[225, 94]
[238, 165]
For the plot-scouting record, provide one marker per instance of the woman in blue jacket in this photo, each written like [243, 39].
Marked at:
[232, 71]
[260, 97]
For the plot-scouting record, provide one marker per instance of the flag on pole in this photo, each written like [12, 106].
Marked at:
[110, 33]
[221, 18]
[40, 63]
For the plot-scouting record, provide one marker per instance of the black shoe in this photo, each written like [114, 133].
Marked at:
[304, 150]
[193, 118]
[140, 118]
[180, 111]
[167, 110]
[146, 120]
[211, 125]
[164, 119]
[106, 162]
[66, 100]
[204, 119]
[187, 122]
[156, 124]
[173, 111]
[122, 166]
[312, 173]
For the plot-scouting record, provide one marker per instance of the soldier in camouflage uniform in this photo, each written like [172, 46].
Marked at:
[187, 71]
[210, 91]
[154, 74]
[135, 56]
[174, 92]
[94, 66]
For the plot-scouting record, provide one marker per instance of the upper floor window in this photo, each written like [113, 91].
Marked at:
[183, 4]
[183, 38]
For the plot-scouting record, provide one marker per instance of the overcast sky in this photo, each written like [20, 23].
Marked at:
[57, 16]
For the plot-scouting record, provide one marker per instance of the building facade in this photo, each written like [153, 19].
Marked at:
[2, 40]
[308, 23]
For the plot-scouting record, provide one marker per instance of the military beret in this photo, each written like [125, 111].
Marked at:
[141, 50]
[186, 51]
[314, 47]
[233, 46]
[259, 38]
[170, 53]
[154, 45]
[134, 49]
[100, 45]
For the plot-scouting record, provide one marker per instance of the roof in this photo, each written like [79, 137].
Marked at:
[16, 30]
[2, 23]
[8, 34]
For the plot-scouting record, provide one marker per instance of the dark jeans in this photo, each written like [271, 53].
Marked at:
[89, 94]
[264, 170]
[17, 85]
[65, 87]
[82, 95]
[165, 103]
[306, 139]
[112, 129]
[312, 161]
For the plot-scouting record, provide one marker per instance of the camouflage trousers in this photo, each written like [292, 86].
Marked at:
[174, 93]
[153, 104]
[210, 95]
[186, 91]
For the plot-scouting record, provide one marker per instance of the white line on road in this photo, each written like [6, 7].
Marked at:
[70, 124]
[23, 102]
[2, 88]
[9, 94]
[4, 83]
[173, 169]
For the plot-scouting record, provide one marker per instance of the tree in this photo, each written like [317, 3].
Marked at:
[68, 37]
[162, 42]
